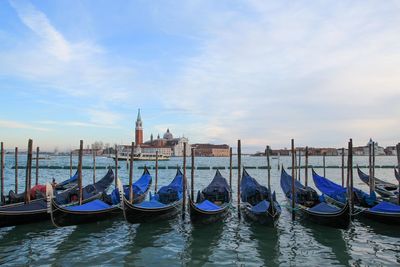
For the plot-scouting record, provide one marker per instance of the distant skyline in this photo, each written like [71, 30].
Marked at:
[214, 71]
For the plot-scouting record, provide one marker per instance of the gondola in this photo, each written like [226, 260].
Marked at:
[256, 201]
[36, 192]
[213, 202]
[36, 210]
[365, 205]
[385, 189]
[309, 204]
[99, 209]
[165, 204]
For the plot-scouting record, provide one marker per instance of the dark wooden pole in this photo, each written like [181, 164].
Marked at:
[28, 172]
[2, 172]
[370, 168]
[94, 166]
[398, 171]
[192, 175]
[239, 155]
[268, 169]
[230, 168]
[295, 164]
[373, 166]
[116, 165]
[293, 179]
[342, 167]
[131, 174]
[323, 159]
[80, 171]
[184, 182]
[16, 170]
[37, 166]
[306, 168]
[70, 164]
[299, 178]
[351, 174]
[155, 185]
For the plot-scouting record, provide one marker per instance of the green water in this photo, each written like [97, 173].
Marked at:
[177, 242]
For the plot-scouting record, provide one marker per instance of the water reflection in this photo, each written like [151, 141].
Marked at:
[267, 239]
[203, 243]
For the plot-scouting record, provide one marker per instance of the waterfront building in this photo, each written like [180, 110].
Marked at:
[210, 150]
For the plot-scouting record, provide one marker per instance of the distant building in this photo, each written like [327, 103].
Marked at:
[210, 150]
[167, 146]
[391, 151]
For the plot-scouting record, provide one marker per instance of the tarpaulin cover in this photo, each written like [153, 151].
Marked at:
[324, 208]
[250, 188]
[261, 207]
[208, 206]
[386, 207]
[151, 204]
[339, 193]
[90, 206]
[303, 193]
[139, 188]
[73, 179]
[218, 184]
[172, 192]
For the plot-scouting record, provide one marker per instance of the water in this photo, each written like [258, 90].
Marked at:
[175, 243]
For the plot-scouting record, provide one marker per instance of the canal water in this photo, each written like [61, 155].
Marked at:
[177, 242]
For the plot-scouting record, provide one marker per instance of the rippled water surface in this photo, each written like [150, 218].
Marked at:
[178, 242]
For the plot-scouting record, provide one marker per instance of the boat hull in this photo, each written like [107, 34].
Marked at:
[206, 217]
[135, 214]
[264, 218]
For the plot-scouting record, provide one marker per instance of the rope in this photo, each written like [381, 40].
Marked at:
[360, 210]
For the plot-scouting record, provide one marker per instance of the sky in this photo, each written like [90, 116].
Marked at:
[320, 72]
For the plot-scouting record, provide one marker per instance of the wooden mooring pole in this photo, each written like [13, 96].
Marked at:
[155, 184]
[342, 167]
[28, 172]
[192, 175]
[230, 168]
[16, 170]
[94, 166]
[70, 164]
[323, 159]
[37, 166]
[398, 171]
[116, 165]
[350, 167]
[268, 170]
[2, 172]
[131, 174]
[299, 151]
[184, 182]
[306, 167]
[372, 179]
[239, 155]
[80, 171]
[293, 180]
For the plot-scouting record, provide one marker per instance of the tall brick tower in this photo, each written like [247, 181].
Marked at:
[138, 130]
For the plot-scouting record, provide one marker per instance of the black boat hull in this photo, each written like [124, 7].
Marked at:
[206, 217]
[135, 214]
[64, 217]
[265, 218]
[11, 218]
[340, 219]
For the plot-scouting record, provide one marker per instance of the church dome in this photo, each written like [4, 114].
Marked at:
[168, 135]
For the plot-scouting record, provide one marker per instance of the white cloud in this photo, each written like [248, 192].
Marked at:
[20, 125]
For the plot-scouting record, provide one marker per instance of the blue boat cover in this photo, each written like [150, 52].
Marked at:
[90, 206]
[324, 208]
[304, 194]
[386, 207]
[261, 207]
[208, 206]
[338, 192]
[73, 178]
[172, 192]
[151, 204]
[249, 187]
[166, 194]
[139, 187]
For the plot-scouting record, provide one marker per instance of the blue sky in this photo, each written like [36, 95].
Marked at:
[214, 71]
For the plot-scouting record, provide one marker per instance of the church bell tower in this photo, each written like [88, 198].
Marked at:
[138, 130]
